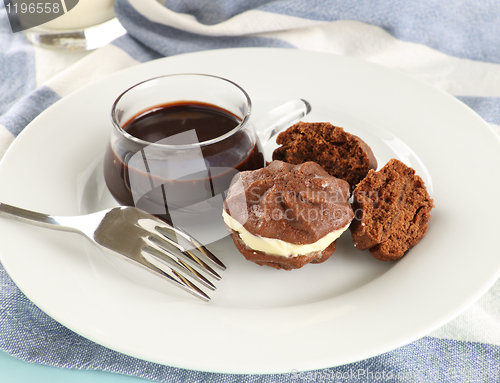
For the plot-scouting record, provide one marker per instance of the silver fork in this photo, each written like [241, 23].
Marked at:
[138, 237]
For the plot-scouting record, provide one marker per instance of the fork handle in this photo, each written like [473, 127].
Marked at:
[32, 217]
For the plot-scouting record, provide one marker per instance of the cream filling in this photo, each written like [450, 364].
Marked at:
[276, 246]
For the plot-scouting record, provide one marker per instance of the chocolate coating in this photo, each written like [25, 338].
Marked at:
[297, 204]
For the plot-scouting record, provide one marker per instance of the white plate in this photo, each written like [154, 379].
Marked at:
[262, 320]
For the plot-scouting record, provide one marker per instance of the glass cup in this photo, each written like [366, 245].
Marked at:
[178, 140]
[83, 24]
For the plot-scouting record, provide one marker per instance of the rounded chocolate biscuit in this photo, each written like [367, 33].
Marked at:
[392, 211]
[297, 204]
[341, 154]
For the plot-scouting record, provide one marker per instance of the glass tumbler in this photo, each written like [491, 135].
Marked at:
[81, 24]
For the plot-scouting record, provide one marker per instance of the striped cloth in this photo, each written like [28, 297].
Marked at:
[454, 46]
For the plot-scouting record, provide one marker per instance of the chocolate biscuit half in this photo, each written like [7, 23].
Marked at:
[341, 154]
[392, 211]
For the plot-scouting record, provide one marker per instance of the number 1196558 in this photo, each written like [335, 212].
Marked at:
[33, 8]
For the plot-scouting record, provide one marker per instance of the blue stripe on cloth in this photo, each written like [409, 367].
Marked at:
[487, 107]
[29, 334]
[135, 49]
[17, 60]
[210, 12]
[168, 41]
[468, 29]
[26, 109]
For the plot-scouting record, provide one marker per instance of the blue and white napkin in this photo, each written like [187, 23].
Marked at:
[453, 45]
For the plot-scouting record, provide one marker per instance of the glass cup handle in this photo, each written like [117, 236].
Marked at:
[280, 118]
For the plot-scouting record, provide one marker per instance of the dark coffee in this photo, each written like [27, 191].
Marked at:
[222, 159]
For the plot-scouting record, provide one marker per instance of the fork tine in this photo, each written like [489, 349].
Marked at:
[192, 256]
[208, 254]
[175, 277]
[165, 256]
[172, 246]
[168, 231]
